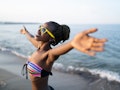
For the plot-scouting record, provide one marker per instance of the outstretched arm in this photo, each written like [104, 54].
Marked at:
[82, 42]
[29, 36]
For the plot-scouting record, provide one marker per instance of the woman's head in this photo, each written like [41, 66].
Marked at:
[61, 32]
[57, 32]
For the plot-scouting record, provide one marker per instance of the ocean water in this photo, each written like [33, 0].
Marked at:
[105, 64]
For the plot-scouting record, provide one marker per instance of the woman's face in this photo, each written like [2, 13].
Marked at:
[45, 32]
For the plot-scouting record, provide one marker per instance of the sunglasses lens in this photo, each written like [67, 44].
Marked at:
[43, 30]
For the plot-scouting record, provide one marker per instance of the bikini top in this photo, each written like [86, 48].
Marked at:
[34, 70]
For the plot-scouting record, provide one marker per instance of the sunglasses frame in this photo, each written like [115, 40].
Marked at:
[46, 30]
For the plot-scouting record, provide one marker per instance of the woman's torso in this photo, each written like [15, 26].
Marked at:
[44, 60]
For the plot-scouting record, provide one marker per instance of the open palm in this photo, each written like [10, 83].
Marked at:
[88, 44]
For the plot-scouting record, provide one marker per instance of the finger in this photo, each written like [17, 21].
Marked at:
[97, 49]
[91, 53]
[92, 30]
[100, 40]
[97, 45]
[21, 30]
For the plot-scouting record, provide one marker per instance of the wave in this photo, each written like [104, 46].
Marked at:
[109, 75]
[13, 52]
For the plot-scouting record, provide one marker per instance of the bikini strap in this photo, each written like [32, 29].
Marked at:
[24, 70]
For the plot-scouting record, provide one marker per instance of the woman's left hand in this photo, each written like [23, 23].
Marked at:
[88, 44]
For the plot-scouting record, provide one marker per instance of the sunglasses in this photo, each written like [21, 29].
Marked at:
[45, 30]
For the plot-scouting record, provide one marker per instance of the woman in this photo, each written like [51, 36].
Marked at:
[40, 63]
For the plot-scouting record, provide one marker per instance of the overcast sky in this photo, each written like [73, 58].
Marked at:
[62, 11]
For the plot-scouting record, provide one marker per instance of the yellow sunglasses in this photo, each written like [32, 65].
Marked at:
[44, 30]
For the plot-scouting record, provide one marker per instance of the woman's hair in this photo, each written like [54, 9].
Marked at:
[61, 32]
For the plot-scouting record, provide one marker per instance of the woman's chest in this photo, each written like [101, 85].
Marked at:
[39, 58]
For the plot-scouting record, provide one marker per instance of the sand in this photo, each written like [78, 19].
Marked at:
[11, 78]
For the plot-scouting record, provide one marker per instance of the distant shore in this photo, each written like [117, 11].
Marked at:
[19, 23]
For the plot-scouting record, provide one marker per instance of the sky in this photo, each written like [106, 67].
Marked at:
[62, 11]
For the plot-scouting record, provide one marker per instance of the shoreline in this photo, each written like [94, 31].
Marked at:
[11, 78]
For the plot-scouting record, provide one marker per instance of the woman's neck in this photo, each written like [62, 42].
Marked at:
[44, 46]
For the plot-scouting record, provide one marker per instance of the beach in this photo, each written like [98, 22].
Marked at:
[11, 78]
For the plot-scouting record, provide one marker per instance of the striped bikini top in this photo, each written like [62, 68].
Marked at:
[34, 70]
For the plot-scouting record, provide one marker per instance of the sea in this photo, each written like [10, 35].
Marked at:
[106, 64]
